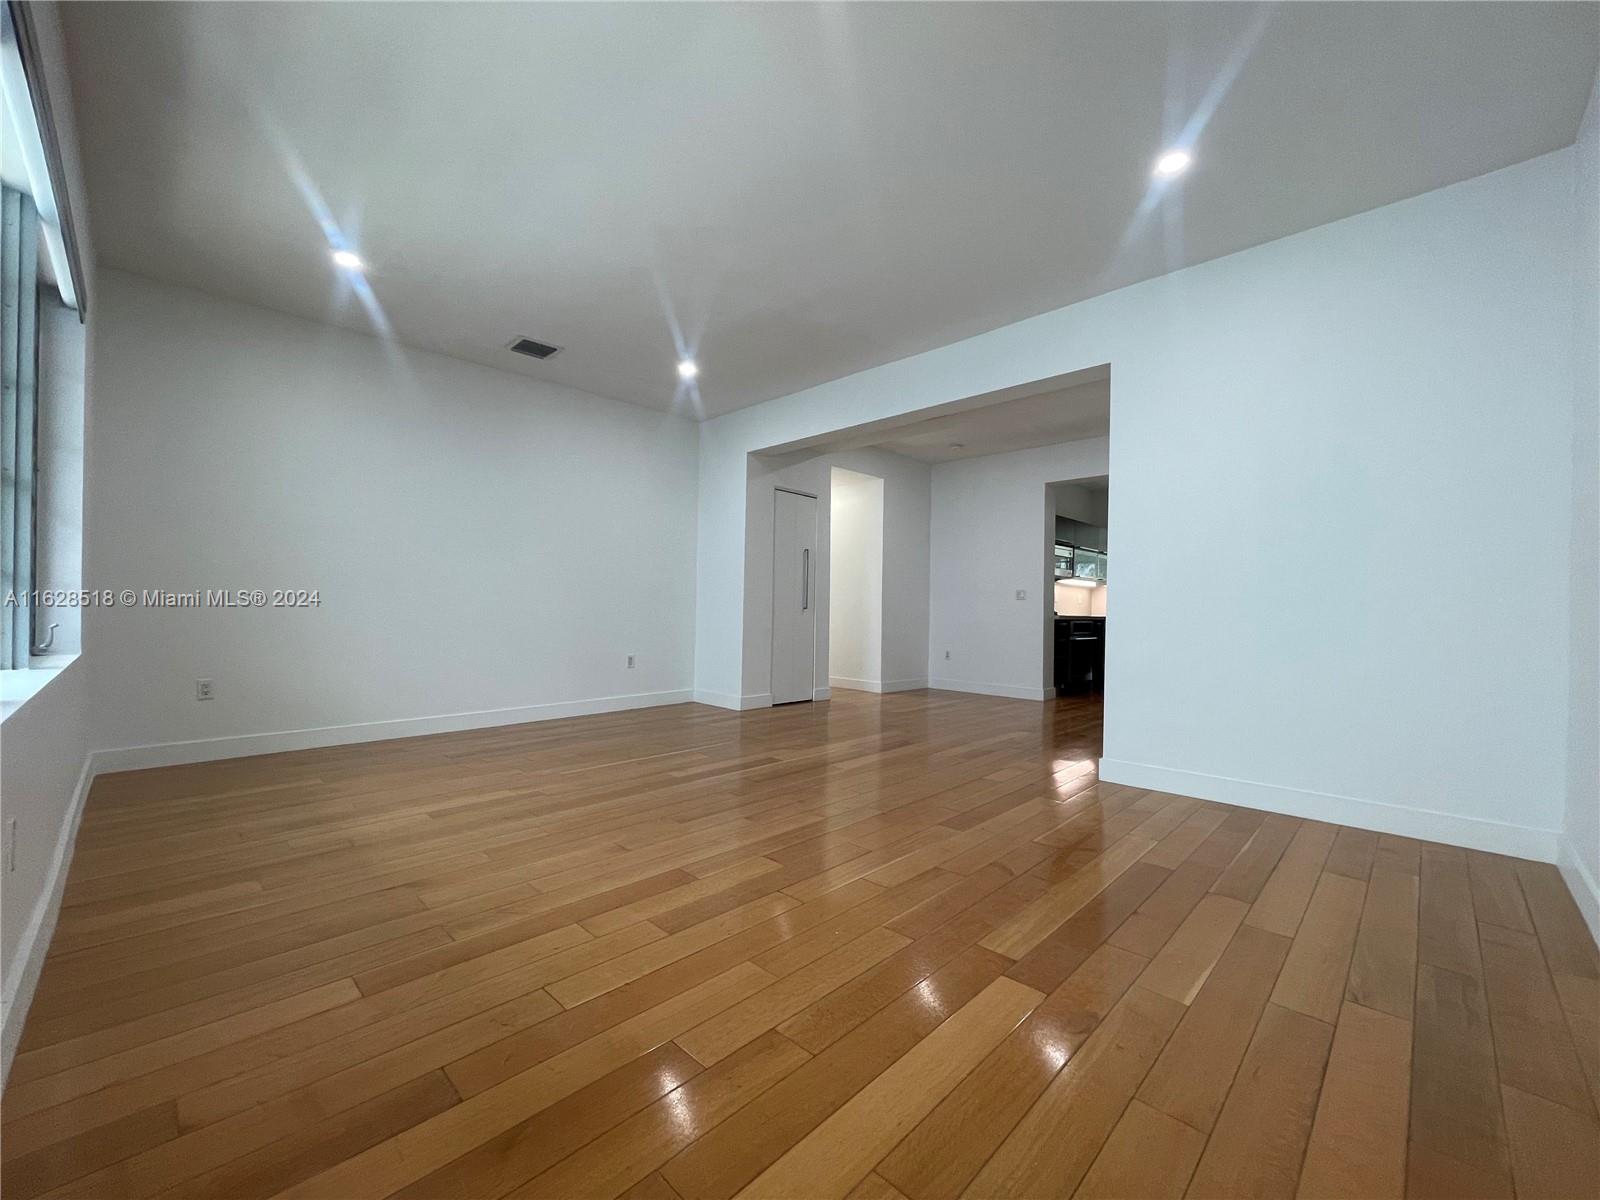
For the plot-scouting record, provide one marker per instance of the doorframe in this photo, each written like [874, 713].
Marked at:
[772, 641]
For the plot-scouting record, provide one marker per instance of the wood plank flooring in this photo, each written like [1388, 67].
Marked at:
[900, 946]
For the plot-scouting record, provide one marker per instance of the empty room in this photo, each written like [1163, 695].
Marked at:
[812, 601]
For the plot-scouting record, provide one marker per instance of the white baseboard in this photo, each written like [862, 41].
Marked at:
[730, 701]
[877, 685]
[1584, 887]
[822, 693]
[22, 972]
[1475, 833]
[989, 689]
[167, 754]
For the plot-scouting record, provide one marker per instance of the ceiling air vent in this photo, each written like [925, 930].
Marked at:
[533, 349]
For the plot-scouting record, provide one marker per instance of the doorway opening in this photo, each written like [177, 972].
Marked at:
[1079, 557]
[855, 581]
[954, 588]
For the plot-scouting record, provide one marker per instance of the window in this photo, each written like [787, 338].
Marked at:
[42, 360]
[19, 377]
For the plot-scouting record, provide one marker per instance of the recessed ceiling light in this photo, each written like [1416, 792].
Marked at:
[1172, 163]
[687, 369]
[348, 259]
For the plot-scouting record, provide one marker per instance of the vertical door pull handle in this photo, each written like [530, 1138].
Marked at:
[805, 580]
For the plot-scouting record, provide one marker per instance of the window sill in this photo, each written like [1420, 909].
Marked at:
[18, 687]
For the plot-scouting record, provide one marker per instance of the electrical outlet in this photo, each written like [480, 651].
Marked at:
[203, 689]
[11, 844]
[630, 662]
[1022, 593]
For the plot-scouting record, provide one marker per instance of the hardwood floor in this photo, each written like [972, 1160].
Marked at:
[883, 947]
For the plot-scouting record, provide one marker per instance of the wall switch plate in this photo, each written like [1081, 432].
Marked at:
[203, 689]
[947, 655]
[1022, 593]
[630, 662]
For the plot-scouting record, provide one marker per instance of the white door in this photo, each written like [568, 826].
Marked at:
[794, 595]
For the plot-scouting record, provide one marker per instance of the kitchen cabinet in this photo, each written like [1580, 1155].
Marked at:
[1080, 550]
[1080, 654]
[1089, 564]
[1077, 533]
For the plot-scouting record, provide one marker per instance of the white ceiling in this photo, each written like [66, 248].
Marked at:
[801, 191]
[1063, 415]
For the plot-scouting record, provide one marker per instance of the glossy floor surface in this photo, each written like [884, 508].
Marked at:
[883, 946]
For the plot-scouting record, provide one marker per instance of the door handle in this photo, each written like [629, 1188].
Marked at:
[805, 580]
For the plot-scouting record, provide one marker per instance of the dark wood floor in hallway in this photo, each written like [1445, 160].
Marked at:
[879, 947]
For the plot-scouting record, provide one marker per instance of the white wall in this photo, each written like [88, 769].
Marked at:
[1398, 382]
[855, 581]
[993, 535]
[43, 757]
[1580, 859]
[907, 551]
[481, 544]
[1079, 503]
[906, 499]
